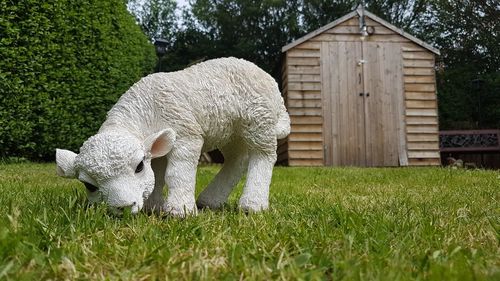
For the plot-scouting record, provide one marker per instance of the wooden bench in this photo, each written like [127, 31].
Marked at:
[469, 141]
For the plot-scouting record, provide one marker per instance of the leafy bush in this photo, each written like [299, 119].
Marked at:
[63, 64]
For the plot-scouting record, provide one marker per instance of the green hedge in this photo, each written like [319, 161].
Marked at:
[63, 64]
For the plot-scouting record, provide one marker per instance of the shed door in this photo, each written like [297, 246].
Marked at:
[363, 92]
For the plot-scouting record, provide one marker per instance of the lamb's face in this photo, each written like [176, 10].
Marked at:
[116, 168]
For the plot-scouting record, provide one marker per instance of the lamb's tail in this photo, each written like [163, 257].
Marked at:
[283, 125]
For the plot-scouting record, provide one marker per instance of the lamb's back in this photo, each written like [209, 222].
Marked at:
[209, 99]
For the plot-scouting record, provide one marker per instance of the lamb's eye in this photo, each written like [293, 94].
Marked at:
[140, 167]
[90, 187]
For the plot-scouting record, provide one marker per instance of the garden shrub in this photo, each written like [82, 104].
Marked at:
[63, 64]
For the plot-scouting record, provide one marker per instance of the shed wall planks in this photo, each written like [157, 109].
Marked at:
[303, 83]
[421, 107]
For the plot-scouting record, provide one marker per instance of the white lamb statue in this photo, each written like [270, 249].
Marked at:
[158, 129]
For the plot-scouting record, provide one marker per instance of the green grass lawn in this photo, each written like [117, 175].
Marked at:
[324, 224]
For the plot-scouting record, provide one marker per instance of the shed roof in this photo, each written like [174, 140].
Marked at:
[367, 14]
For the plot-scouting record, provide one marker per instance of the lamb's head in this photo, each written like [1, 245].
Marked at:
[116, 167]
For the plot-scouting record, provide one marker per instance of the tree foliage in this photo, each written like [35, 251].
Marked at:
[157, 18]
[251, 29]
[63, 64]
[467, 33]
[406, 14]
[316, 13]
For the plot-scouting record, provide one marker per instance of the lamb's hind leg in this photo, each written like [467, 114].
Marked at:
[235, 163]
[255, 195]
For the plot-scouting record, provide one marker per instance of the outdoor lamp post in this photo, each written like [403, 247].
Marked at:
[478, 86]
[161, 50]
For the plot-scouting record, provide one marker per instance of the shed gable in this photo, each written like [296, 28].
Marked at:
[352, 20]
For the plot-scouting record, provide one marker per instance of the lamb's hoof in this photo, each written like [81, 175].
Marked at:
[155, 209]
[253, 206]
[212, 205]
[180, 211]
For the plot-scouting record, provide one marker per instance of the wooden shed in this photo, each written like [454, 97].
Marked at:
[360, 92]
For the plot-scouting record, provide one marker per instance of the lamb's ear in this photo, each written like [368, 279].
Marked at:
[65, 160]
[161, 143]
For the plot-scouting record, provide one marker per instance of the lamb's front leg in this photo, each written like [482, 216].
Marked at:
[180, 177]
[154, 204]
